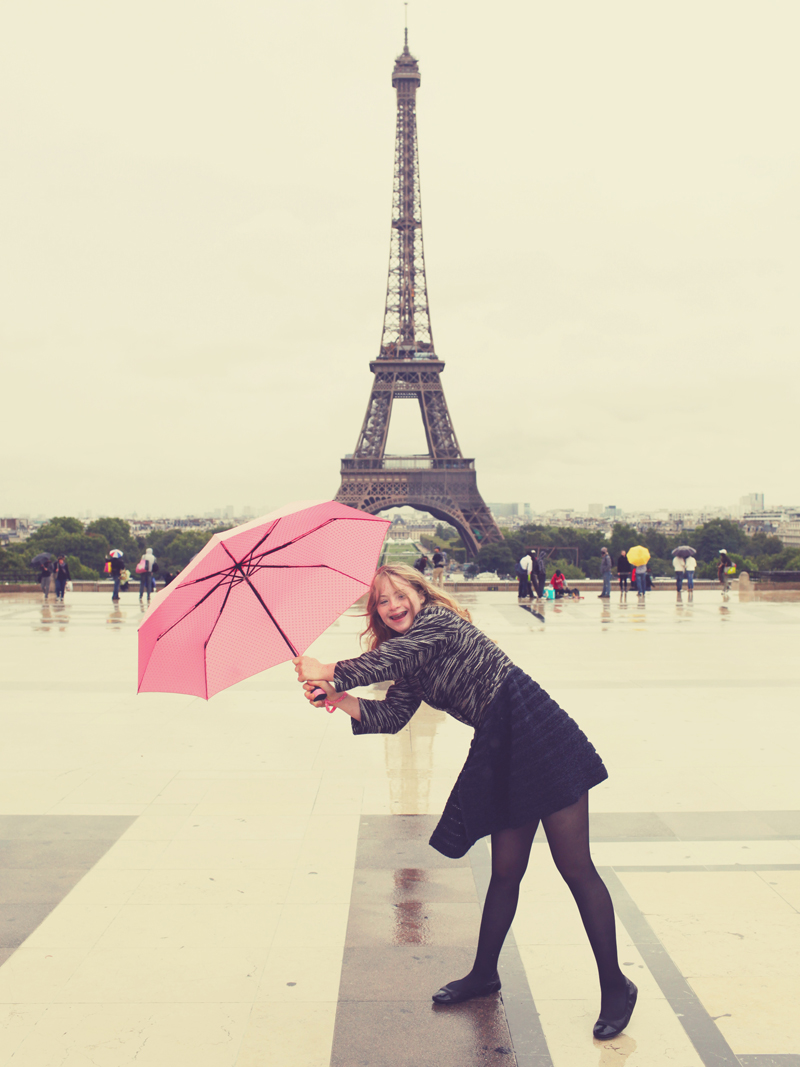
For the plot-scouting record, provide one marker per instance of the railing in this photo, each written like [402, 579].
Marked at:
[405, 463]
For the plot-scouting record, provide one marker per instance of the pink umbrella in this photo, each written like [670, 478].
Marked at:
[257, 595]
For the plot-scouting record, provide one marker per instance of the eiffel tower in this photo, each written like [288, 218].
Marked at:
[441, 482]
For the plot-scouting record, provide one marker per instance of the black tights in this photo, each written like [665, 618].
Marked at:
[568, 836]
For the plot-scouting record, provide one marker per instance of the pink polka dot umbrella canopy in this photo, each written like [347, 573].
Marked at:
[256, 596]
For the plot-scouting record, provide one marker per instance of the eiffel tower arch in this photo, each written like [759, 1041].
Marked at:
[440, 481]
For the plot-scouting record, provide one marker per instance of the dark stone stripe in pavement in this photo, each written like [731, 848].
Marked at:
[43, 857]
[702, 1031]
[413, 925]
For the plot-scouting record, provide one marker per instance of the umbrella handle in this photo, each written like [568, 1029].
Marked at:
[320, 698]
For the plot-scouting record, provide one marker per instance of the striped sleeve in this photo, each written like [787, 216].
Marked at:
[390, 715]
[399, 655]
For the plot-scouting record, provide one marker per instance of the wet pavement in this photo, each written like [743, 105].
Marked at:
[242, 882]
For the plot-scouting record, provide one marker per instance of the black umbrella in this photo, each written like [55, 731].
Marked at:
[684, 551]
[43, 557]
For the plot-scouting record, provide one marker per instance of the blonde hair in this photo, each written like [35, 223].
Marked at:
[377, 631]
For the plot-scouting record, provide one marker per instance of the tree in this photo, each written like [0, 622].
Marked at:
[118, 534]
[497, 558]
[716, 534]
[622, 537]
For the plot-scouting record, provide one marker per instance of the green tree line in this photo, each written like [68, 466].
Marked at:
[86, 548]
[758, 553]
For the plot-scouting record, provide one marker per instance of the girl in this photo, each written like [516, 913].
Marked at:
[529, 762]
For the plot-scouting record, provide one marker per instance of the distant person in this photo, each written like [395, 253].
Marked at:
[641, 579]
[524, 571]
[438, 568]
[559, 584]
[62, 577]
[691, 567]
[45, 573]
[726, 568]
[605, 572]
[145, 572]
[117, 567]
[679, 566]
[624, 568]
[539, 575]
[124, 579]
[422, 563]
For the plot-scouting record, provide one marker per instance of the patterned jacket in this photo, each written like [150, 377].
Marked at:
[442, 659]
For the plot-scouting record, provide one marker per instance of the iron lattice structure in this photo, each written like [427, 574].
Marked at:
[441, 482]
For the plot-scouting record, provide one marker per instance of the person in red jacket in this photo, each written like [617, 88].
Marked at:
[559, 584]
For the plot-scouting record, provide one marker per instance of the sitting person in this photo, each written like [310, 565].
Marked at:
[559, 584]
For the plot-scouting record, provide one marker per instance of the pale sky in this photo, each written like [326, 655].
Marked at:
[195, 204]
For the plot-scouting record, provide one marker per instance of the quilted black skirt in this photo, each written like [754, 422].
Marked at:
[528, 759]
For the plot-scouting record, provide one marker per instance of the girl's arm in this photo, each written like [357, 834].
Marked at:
[340, 700]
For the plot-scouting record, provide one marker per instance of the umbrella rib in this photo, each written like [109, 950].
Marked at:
[263, 605]
[191, 609]
[213, 628]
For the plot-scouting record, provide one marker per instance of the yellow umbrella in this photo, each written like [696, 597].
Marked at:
[638, 555]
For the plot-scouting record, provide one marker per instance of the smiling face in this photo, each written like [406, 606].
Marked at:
[398, 604]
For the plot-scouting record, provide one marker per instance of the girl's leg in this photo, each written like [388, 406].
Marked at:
[511, 850]
[568, 836]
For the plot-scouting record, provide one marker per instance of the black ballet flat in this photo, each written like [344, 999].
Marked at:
[605, 1028]
[446, 995]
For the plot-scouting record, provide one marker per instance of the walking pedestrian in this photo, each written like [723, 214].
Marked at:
[62, 576]
[691, 567]
[605, 572]
[624, 568]
[725, 570]
[116, 573]
[679, 565]
[45, 573]
[529, 762]
[145, 571]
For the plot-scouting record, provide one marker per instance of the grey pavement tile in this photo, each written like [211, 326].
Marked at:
[412, 1034]
[397, 827]
[787, 823]
[5, 952]
[64, 852]
[718, 825]
[38, 886]
[395, 972]
[18, 921]
[376, 852]
[51, 827]
[403, 885]
[417, 924]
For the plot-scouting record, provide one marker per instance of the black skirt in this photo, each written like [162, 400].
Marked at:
[528, 759]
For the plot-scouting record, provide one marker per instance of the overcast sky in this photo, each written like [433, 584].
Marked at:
[195, 210]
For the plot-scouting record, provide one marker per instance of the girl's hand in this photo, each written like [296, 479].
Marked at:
[309, 669]
[314, 687]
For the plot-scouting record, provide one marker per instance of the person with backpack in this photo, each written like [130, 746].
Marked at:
[144, 569]
[523, 571]
[725, 570]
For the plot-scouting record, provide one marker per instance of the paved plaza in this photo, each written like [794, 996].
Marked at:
[242, 882]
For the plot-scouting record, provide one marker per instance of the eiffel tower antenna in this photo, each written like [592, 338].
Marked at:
[442, 481]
